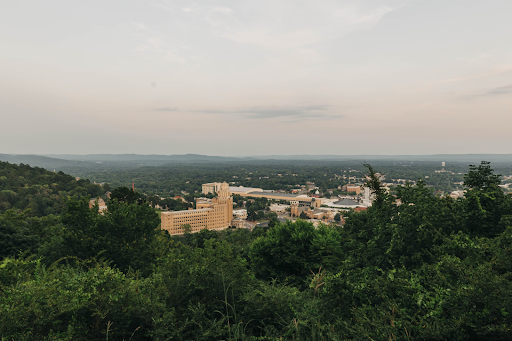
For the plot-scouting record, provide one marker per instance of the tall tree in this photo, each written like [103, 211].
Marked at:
[486, 208]
[124, 234]
[290, 250]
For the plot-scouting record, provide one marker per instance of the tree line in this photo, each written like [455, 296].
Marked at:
[171, 180]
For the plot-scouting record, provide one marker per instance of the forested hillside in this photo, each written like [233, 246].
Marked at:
[43, 192]
[412, 267]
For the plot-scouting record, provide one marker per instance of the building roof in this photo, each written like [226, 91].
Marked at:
[275, 194]
[322, 210]
[346, 202]
[241, 189]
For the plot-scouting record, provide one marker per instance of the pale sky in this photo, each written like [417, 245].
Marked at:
[245, 77]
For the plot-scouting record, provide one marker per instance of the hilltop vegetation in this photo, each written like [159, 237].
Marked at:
[42, 192]
[411, 267]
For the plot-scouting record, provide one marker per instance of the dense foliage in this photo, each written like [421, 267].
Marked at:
[43, 192]
[412, 267]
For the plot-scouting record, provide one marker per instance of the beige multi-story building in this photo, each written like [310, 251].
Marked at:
[212, 187]
[216, 214]
[349, 188]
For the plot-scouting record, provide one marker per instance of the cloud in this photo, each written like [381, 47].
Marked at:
[500, 69]
[504, 90]
[296, 113]
[303, 112]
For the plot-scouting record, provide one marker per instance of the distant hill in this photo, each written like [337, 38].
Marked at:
[41, 161]
[77, 164]
[155, 159]
[434, 157]
[146, 158]
[85, 164]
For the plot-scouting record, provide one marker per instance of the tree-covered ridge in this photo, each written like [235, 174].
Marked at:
[412, 267]
[43, 192]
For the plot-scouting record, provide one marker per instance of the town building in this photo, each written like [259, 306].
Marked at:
[369, 197]
[297, 207]
[325, 214]
[350, 188]
[216, 214]
[238, 223]
[240, 213]
[294, 208]
[102, 206]
[279, 208]
[457, 194]
[212, 187]
[259, 193]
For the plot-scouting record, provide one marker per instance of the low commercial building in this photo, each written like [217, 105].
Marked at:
[259, 193]
[241, 190]
[240, 213]
[279, 208]
[238, 223]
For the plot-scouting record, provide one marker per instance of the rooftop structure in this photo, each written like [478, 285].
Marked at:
[243, 190]
[345, 203]
[279, 208]
[304, 199]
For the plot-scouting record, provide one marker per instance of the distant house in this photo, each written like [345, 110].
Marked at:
[100, 202]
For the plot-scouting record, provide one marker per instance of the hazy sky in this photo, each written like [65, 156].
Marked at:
[245, 77]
